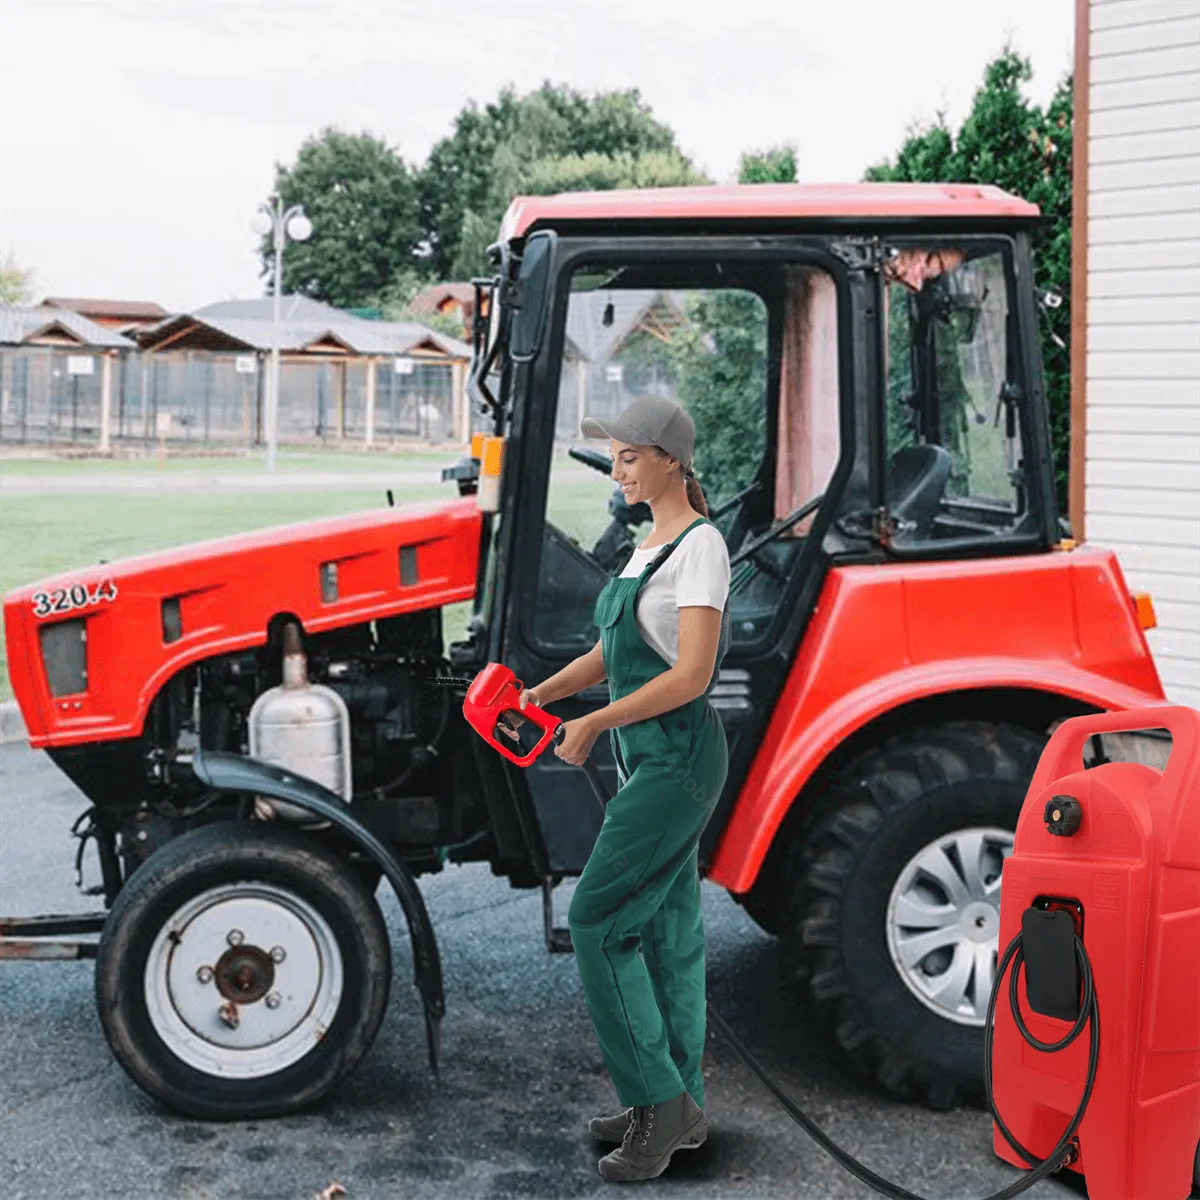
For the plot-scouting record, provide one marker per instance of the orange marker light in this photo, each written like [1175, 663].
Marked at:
[491, 461]
[1145, 610]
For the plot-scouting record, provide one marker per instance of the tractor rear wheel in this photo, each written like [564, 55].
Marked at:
[242, 971]
[892, 917]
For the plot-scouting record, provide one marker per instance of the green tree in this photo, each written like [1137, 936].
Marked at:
[395, 298]
[1009, 141]
[721, 372]
[16, 282]
[596, 172]
[777, 165]
[362, 200]
[555, 138]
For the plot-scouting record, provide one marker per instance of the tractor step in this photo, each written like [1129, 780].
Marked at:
[558, 937]
[15, 933]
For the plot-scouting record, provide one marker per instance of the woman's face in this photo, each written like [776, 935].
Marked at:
[642, 471]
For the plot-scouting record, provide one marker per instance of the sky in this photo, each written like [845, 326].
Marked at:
[139, 136]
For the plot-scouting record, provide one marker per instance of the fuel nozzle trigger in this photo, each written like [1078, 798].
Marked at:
[492, 707]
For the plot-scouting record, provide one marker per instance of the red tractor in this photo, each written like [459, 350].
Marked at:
[265, 725]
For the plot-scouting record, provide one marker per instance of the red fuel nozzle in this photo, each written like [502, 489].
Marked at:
[493, 709]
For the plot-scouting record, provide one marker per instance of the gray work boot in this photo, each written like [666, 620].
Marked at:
[655, 1132]
[612, 1129]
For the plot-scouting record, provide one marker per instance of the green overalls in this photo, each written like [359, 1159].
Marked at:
[641, 883]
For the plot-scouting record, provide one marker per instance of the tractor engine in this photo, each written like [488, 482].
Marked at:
[354, 709]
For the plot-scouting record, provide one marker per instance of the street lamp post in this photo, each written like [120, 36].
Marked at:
[294, 224]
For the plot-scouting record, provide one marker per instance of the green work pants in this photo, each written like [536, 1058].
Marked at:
[635, 918]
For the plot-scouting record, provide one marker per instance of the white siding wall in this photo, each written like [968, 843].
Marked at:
[1143, 338]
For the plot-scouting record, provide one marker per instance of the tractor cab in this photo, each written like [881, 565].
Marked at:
[862, 366]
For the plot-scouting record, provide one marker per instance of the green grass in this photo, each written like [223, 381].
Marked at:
[241, 462]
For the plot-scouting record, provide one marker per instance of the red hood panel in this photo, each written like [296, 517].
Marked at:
[227, 590]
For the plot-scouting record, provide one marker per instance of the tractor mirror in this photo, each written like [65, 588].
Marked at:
[533, 294]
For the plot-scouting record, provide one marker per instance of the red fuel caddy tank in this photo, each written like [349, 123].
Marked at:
[1126, 864]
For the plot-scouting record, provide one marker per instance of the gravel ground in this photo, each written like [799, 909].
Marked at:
[521, 1071]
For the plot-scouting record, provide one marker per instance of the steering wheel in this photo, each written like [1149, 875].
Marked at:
[596, 459]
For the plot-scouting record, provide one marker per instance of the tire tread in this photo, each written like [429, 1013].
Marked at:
[885, 779]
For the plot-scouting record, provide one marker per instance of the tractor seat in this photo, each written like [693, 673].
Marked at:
[916, 479]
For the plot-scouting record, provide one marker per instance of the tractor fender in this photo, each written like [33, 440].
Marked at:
[241, 773]
[800, 739]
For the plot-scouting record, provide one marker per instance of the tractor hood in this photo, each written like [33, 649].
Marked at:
[89, 649]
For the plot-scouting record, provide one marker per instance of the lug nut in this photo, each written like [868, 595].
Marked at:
[228, 1013]
[235, 937]
[278, 954]
[273, 1000]
[205, 974]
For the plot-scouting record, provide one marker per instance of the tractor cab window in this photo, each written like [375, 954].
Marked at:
[750, 352]
[955, 461]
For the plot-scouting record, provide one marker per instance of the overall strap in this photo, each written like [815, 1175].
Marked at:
[666, 552]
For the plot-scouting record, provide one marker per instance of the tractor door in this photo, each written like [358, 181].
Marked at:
[754, 341]
[967, 440]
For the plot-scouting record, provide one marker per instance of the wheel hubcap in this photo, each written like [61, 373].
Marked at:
[245, 974]
[248, 1005]
[943, 921]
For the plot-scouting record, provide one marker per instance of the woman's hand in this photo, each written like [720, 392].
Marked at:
[510, 722]
[579, 736]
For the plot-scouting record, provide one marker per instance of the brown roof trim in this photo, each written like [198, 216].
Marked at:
[1077, 454]
[145, 309]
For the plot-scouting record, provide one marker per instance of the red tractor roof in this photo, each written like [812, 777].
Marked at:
[766, 201]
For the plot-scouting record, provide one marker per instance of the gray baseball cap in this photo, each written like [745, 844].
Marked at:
[649, 420]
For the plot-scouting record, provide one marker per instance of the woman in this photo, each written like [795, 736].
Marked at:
[664, 625]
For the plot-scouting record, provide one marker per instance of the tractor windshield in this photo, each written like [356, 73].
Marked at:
[955, 462]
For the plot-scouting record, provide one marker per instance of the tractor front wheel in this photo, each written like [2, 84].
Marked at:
[892, 917]
[242, 971]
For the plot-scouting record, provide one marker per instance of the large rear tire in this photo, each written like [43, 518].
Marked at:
[893, 914]
[242, 971]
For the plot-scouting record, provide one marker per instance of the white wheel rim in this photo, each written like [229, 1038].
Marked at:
[943, 921]
[287, 964]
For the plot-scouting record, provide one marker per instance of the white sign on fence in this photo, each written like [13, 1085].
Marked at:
[162, 423]
[80, 364]
[614, 372]
[245, 364]
[403, 366]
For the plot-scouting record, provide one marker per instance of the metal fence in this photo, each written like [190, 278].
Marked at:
[42, 402]
[215, 399]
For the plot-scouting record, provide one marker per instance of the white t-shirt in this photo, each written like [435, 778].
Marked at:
[696, 572]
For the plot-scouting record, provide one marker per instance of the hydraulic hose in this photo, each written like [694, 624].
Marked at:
[1010, 963]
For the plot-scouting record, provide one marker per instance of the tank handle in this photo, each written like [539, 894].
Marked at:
[1064, 752]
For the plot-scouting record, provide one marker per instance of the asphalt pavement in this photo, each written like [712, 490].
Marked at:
[521, 1071]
